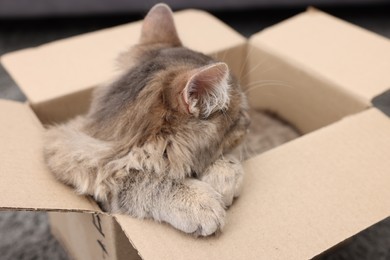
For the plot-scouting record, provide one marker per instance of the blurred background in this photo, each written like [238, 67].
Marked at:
[26, 23]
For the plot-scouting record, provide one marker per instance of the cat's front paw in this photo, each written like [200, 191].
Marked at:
[196, 208]
[225, 176]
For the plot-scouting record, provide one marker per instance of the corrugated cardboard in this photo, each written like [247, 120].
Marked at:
[25, 181]
[354, 59]
[327, 64]
[297, 94]
[91, 236]
[298, 200]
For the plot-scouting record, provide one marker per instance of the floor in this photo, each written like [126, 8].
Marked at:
[373, 243]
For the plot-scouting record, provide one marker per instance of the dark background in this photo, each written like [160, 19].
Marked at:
[26, 235]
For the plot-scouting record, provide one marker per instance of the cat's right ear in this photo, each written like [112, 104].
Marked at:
[159, 27]
[207, 90]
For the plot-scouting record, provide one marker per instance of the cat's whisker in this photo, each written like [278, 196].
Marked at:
[259, 71]
[217, 56]
[259, 84]
[224, 55]
[248, 53]
[262, 86]
[269, 81]
[268, 69]
[260, 63]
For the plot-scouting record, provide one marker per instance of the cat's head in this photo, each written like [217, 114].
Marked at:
[170, 93]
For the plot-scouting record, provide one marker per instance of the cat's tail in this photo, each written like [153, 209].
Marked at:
[75, 158]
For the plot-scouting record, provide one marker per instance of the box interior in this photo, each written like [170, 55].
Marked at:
[298, 200]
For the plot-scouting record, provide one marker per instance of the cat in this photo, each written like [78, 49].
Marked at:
[157, 142]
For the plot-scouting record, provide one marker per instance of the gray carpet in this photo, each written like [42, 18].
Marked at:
[25, 235]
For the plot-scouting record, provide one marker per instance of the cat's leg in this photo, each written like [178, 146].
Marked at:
[189, 205]
[73, 157]
[226, 176]
[194, 207]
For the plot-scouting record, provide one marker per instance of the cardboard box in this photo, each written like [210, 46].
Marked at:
[298, 200]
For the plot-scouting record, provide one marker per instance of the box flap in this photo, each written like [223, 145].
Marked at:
[305, 99]
[351, 57]
[25, 181]
[298, 200]
[82, 62]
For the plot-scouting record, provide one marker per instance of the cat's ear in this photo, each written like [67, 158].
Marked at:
[159, 27]
[207, 90]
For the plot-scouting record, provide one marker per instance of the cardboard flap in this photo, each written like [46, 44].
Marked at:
[298, 200]
[351, 57]
[25, 181]
[305, 99]
[82, 62]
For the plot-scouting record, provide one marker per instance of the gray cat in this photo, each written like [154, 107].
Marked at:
[157, 143]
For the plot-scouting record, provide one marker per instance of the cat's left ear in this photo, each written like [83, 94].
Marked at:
[207, 90]
[159, 27]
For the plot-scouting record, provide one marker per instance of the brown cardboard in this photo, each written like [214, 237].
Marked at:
[354, 59]
[298, 199]
[91, 236]
[328, 65]
[25, 181]
[86, 61]
[295, 93]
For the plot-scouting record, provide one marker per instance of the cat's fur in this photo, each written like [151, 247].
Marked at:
[156, 142]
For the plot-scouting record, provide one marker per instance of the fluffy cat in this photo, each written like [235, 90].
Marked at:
[157, 142]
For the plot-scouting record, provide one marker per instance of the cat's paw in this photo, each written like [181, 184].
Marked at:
[196, 209]
[226, 177]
